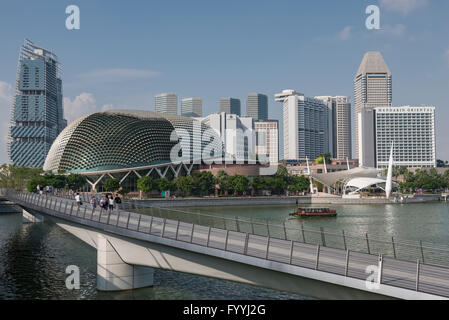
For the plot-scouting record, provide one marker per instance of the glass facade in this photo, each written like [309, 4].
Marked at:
[37, 113]
[120, 139]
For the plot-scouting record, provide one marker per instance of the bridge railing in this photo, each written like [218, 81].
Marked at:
[392, 247]
[413, 275]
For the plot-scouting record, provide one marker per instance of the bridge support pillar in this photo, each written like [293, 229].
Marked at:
[113, 274]
[28, 217]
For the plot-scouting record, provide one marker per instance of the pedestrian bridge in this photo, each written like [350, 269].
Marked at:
[130, 245]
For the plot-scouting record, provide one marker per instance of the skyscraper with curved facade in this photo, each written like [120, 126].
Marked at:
[37, 113]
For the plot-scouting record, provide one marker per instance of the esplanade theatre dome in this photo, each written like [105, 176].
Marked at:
[119, 139]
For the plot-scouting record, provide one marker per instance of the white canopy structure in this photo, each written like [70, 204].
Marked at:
[357, 184]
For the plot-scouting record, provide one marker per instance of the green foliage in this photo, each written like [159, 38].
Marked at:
[75, 181]
[146, 184]
[239, 183]
[321, 158]
[111, 185]
[185, 184]
[428, 180]
[203, 182]
[16, 177]
[162, 184]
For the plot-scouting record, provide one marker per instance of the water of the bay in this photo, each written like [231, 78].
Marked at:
[33, 257]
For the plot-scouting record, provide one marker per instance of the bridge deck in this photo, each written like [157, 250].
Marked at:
[416, 276]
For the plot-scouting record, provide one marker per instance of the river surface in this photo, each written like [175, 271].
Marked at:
[33, 257]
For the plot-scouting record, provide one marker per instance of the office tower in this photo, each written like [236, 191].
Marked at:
[192, 107]
[37, 114]
[305, 126]
[372, 87]
[339, 120]
[367, 137]
[230, 106]
[267, 140]
[257, 106]
[166, 103]
[412, 131]
[237, 134]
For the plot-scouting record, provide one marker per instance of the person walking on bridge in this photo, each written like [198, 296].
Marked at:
[93, 202]
[78, 200]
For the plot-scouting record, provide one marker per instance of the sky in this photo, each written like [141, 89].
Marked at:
[125, 52]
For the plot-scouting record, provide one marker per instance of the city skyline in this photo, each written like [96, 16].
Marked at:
[91, 84]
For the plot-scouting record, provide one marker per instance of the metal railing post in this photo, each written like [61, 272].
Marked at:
[291, 252]
[285, 230]
[127, 222]
[323, 238]
[85, 210]
[71, 209]
[237, 224]
[118, 219]
[317, 257]
[177, 230]
[347, 263]
[422, 251]
[163, 228]
[367, 243]
[268, 248]
[268, 229]
[344, 239]
[303, 235]
[417, 275]
[394, 247]
[191, 234]
[65, 208]
[224, 223]
[252, 226]
[151, 224]
[208, 237]
[138, 223]
[380, 268]
[245, 248]
[226, 240]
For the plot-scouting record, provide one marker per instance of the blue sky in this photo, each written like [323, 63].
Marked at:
[126, 52]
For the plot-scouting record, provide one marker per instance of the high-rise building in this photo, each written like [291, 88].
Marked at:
[305, 126]
[267, 140]
[237, 135]
[372, 87]
[166, 103]
[230, 106]
[257, 106]
[339, 126]
[367, 137]
[192, 107]
[37, 114]
[412, 131]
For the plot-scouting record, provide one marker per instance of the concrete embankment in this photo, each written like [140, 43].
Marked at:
[259, 201]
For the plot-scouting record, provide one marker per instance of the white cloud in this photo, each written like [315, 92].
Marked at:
[6, 100]
[403, 6]
[396, 30]
[107, 107]
[83, 104]
[345, 34]
[117, 75]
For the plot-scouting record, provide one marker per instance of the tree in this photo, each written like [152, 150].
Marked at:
[145, 184]
[324, 157]
[239, 184]
[15, 177]
[111, 185]
[162, 184]
[75, 181]
[222, 179]
[203, 182]
[185, 184]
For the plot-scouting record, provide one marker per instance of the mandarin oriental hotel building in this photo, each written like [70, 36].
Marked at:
[412, 130]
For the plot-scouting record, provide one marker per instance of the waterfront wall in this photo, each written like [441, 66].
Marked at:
[259, 201]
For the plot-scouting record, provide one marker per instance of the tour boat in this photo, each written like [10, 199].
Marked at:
[314, 212]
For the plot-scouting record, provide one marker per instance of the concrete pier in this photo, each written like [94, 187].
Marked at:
[31, 218]
[113, 274]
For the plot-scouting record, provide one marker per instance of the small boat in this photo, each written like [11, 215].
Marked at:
[314, 212]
